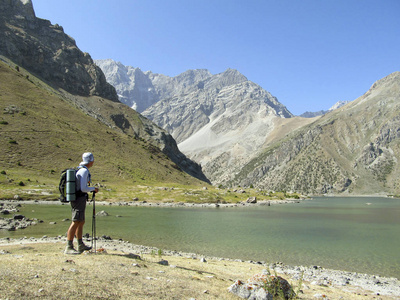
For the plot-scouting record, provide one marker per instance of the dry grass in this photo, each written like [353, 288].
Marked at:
[43, 271]
[42, 134]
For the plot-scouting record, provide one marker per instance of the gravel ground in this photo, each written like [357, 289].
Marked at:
[312, 276]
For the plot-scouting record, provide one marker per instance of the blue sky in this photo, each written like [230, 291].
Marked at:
[307, 53]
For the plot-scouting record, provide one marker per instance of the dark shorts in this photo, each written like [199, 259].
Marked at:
[78, 208]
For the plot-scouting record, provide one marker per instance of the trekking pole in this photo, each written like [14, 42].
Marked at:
[94, 223]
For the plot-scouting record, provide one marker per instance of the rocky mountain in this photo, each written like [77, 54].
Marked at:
[213, 117]
[221, 101]
[140, 90]
[309, 114]
[49, 54]
[241, 135]
[135, 88]
[354, 149]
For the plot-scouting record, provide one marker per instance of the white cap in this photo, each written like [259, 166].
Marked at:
[87, 157]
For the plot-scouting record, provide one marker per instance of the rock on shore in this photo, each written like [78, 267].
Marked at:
[15, 222]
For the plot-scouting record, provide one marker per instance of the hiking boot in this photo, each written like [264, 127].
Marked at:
[71, 250]
[82, 247]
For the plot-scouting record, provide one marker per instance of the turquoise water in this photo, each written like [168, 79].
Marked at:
[338, 233]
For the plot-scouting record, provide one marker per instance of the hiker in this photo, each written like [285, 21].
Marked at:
[78, 206]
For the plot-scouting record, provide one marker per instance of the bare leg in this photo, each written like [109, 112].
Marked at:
[75, 229]
[79, 230]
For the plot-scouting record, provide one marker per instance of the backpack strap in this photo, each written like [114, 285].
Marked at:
[89, 175]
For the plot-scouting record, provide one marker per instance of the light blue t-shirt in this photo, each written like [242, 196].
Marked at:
[83, 179]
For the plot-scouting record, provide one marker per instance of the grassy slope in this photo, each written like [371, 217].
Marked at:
[45, 134]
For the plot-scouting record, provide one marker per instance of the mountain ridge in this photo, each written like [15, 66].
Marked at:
[238, 142]
[354, 149]
[209, 115]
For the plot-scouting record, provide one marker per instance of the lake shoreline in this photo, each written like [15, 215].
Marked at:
[313, 275]
[165, 204]
[316, 275]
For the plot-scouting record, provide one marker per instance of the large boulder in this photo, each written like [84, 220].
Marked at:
[263, 286]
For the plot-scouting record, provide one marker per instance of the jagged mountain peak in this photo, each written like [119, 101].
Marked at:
[233, 73]
[226, 78]
[140, 90]
[191, 78]
[188, 107]
[220, 111]
[134, 86]
[45, 50]
[193, 74]
[21, 8]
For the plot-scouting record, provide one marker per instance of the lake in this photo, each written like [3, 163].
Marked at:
[358, 234]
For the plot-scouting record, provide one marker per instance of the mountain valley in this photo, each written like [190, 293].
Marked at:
[201, 127]
[241, 135]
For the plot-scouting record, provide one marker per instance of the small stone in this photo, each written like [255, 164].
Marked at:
[251, 200]
[102, 214]
[163, 262]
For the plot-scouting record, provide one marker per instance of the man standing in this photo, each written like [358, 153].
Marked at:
[79, 205]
